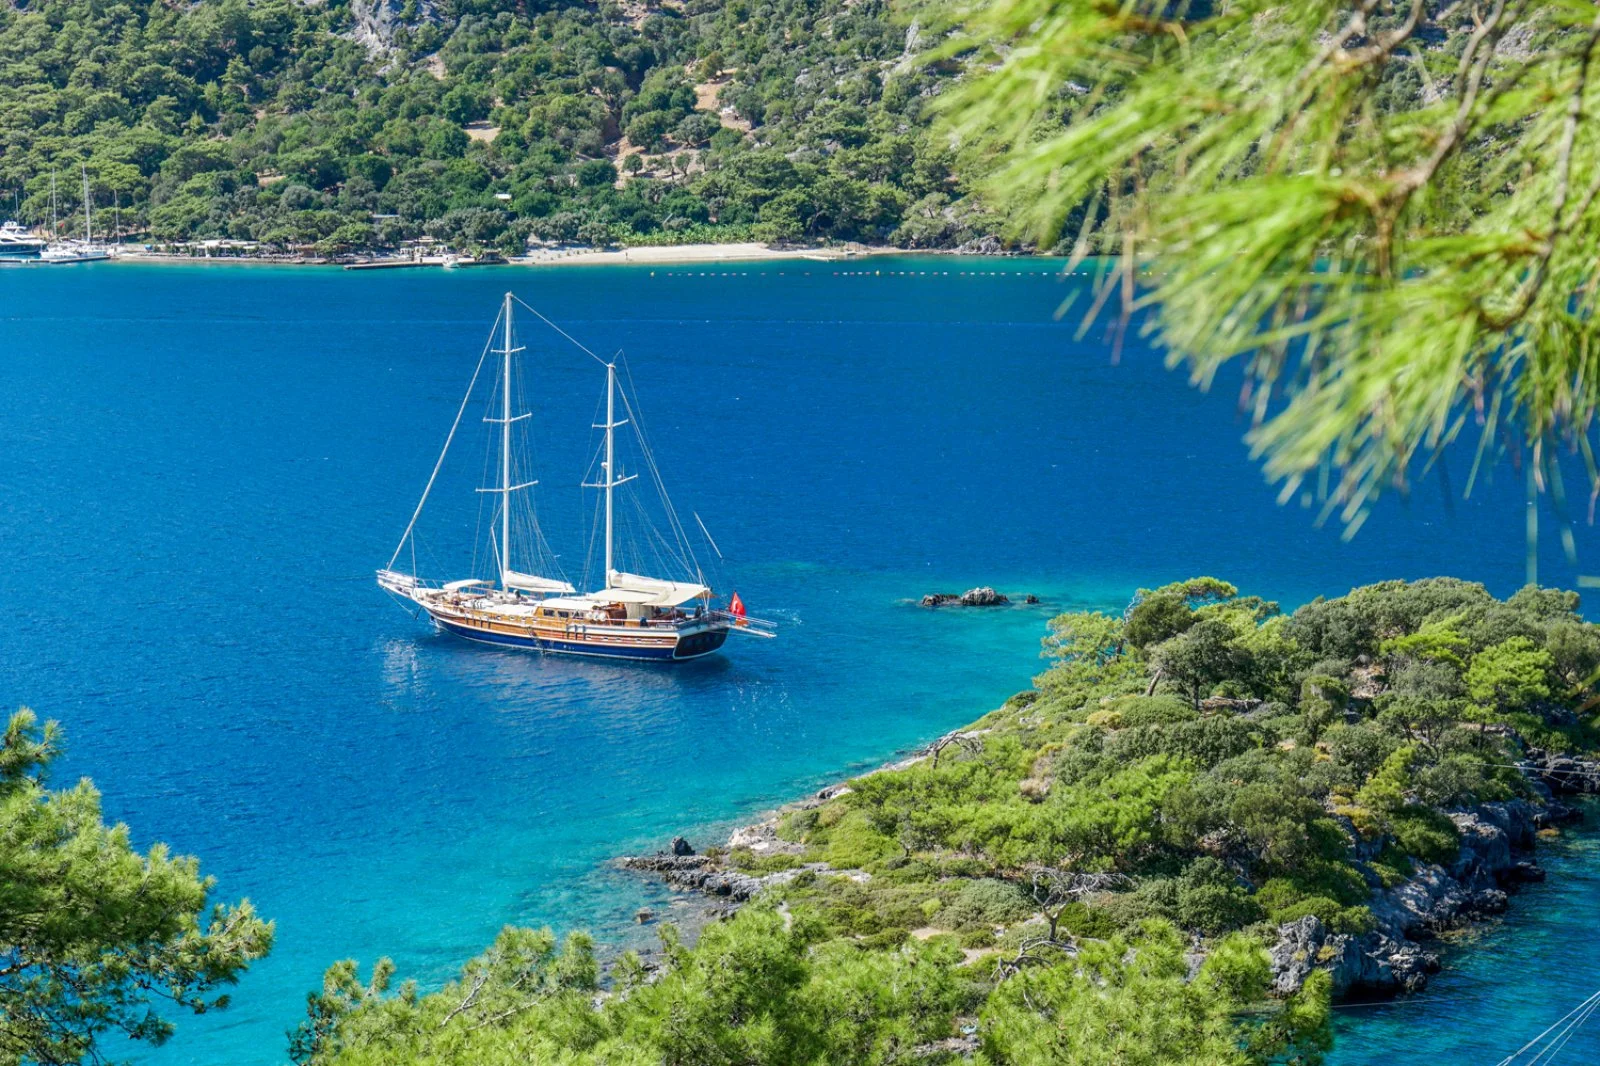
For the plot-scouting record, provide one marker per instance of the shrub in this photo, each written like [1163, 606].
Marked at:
[1351, 920]
[795, 825]
[977, 938]
[887, 938]
[1211, 899]
[852, 843]
[1285, 901]
[984, 903]
[1426, 834]
[1153, 710]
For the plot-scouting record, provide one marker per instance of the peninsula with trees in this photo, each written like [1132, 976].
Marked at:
[1206, 820]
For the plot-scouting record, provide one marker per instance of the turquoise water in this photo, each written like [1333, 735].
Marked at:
[202, 466]
[1503, 983]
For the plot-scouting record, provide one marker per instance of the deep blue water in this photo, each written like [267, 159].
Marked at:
[200, 468]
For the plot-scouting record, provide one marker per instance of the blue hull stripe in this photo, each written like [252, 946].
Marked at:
[664, 653]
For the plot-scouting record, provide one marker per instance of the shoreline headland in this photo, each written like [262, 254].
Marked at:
[1496, 856]
[1391, 859]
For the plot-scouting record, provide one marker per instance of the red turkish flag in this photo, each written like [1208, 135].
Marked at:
[736, 606]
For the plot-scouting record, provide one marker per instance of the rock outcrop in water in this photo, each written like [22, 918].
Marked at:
[983, 596]
[1495, 840]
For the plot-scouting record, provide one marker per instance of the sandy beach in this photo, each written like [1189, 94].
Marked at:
[695, 253]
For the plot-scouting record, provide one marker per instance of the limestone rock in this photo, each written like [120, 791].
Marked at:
[982, 596]
[1564, 774]
[1387, 960]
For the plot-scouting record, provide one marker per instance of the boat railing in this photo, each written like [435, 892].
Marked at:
[754, 626]
[743, 623]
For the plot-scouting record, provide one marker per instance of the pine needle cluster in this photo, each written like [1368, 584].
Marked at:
[1383, 211]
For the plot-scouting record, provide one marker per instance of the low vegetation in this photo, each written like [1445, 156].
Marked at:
[1190, 774]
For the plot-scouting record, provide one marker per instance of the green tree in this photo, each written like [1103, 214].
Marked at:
[1087, 637]
[93, 932]
[1510, 676]
[1132, 1001]
[1197, 659]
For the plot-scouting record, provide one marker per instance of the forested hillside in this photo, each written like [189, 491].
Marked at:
[483, 122]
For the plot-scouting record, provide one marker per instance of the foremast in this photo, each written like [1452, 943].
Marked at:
[608, 466]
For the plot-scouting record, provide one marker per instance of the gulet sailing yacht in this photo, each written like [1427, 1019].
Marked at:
[632, 616]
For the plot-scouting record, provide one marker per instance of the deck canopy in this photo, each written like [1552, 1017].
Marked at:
[650, 591]
[532, 583]
[569, 603]
[457, 586]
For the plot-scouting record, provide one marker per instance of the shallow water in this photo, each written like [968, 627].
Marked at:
[202, 466]
[1503, 983]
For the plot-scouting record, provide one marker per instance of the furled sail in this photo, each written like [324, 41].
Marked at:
[511, 579]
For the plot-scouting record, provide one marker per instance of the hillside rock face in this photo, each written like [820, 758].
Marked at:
[1494, 838]
[377, 20]
[1563, 773]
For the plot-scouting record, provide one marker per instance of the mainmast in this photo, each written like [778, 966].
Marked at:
[506, 488]
[611, 432]
[505, 454]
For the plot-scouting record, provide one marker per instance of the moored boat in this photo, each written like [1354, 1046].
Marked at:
[74, 251]
[630, 616]
[16, 243]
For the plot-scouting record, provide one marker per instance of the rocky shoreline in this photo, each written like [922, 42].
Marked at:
[1497, 842]
[1495, 859]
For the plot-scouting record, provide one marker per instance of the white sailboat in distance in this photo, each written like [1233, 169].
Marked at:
[526, 602]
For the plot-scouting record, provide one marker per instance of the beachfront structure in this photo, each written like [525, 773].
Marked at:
[528, 603]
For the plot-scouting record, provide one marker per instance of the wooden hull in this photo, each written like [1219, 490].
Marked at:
[595, 641]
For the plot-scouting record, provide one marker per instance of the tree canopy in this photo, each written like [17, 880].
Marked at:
[358, 123]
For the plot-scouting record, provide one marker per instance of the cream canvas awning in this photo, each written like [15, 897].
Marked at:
[532, 583]
[651, 591]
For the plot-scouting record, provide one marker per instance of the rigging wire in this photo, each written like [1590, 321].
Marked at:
[1568, 1024]
[535, 312]
[707, 533]
[685, 549]
[440, 461]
